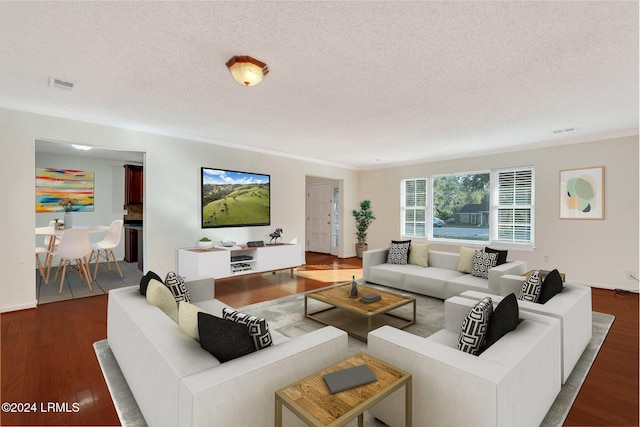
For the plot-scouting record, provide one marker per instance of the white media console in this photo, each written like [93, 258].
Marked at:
[196, 264]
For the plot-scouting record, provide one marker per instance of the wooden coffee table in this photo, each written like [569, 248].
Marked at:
[312, 402]
[354, 317]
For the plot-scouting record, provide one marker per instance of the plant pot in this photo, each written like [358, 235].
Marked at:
[205, 245]
[360, 248]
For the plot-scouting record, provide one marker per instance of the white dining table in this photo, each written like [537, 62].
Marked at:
[57, 233]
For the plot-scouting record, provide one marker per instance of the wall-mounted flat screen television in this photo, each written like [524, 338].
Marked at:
[235, 199]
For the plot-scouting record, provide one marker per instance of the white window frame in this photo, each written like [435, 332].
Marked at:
[515, 203]
[404, 207]
[494, 207]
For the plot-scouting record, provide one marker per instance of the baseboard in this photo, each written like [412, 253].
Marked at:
[32, 304]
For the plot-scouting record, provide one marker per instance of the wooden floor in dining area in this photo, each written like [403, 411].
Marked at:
[47, 354]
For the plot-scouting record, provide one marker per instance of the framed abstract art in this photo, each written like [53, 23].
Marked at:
[582, 193]
[54, 185]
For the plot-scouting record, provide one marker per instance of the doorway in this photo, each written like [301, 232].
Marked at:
[109, 184]
[323, 216]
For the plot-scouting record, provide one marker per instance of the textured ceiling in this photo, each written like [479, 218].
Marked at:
[349, 82]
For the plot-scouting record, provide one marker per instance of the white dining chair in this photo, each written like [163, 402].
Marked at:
[106, 245]
[74, 246]
[41, 267]
[50, 242]
[47, 239]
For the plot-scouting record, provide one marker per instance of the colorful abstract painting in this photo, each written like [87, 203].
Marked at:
[53, 185]
[582, 193]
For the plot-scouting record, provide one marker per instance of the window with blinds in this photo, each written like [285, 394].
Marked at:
[513, 208]
[414, 207]
[502, 215]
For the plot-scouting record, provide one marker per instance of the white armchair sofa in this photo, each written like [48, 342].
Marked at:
[572, 307]
[177, 383]
[440, 279]
[512, 383]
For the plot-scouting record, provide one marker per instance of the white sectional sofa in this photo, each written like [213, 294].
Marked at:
[177, 383]
[572, 307]
[440, 279]
[512, 383]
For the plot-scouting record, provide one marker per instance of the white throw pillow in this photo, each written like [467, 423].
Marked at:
[419, 254]
[188, 319]
[465, 262]
[160, 296]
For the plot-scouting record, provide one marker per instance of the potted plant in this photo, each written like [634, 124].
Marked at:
[205, 243]
[363, 217]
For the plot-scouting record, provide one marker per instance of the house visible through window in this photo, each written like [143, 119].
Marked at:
[462, 203]
[490, 207]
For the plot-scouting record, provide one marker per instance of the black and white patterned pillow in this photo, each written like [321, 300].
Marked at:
[474, 326]
[399, 252]
[502, 255]
[530, 290]
[258, 328]
[482, 262]
[176, 285]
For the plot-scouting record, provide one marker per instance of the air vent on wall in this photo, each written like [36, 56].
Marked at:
[565, 130]
[59, 83]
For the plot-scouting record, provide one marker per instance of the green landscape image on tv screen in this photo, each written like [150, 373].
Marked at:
[235, 199]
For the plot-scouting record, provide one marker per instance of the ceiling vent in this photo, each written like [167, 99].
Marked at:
[60, 84]
[573, 129]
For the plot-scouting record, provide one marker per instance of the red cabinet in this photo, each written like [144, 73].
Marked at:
[133, 184]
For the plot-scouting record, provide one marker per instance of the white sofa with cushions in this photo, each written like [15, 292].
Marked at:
[512, 383]
[177, 383]
[440, 278]
[572, 307]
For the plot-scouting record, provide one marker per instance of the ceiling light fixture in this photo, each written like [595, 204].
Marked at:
[81, 147]
[246, 70]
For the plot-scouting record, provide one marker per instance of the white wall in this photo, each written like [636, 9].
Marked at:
[108, 189]
[594, 252]
[172, 193]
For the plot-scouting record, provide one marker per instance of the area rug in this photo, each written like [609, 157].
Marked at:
[286, 316]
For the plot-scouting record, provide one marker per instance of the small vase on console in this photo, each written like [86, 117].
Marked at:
[68, 220]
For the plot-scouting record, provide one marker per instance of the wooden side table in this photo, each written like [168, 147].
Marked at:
[312, 402]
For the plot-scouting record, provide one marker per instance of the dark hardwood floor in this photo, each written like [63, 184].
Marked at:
[47, 354]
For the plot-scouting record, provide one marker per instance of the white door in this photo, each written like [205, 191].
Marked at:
[319, 218]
